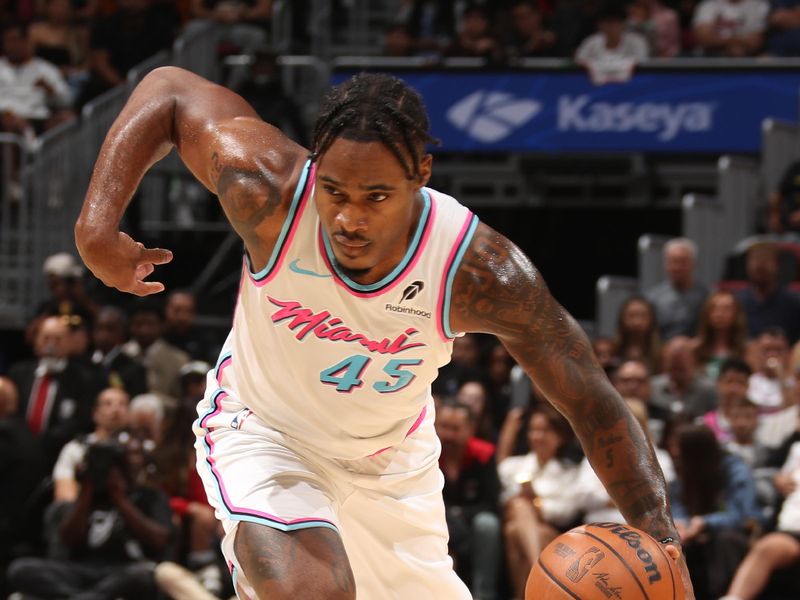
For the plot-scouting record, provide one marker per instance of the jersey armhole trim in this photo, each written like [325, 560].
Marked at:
[299, 202]
[451, 268]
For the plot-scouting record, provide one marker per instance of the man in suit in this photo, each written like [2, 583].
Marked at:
[162, 360]
[55, 393]
[119, 370]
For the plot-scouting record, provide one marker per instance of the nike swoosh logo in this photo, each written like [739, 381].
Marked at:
[293, 266]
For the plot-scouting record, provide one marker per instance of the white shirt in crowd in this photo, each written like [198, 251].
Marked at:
[733, 19]
[789, 517]
[554, 483]
[593, 48]
[593, 499]
[20, 94]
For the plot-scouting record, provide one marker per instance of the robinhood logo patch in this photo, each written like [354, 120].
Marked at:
[491, 116]
[409, 294]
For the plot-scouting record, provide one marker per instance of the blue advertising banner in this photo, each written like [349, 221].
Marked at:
[656, 111]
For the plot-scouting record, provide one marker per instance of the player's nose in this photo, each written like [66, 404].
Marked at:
[351, 218]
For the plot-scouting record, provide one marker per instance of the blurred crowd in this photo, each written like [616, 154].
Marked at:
[97, 412]
[97, 405]
[59, 54]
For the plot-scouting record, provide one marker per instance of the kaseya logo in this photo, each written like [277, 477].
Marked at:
[409, 294]
[491, 116]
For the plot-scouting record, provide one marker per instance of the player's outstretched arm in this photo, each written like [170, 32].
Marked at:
[169, 108]
[498, 290]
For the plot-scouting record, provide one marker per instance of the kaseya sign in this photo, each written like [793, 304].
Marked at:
[688, 110]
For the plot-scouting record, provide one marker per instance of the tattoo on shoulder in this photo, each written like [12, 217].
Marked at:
[248, 196]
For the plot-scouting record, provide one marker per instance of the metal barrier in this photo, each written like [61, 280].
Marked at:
[611, 291]
[703, 220]
[16, 261]
[651, 260]
[197, 52]
[780, 147]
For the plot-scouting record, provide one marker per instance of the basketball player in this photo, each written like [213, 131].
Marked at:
[315, 439]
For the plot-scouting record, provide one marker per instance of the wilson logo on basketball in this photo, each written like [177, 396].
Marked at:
[634, 541]
[583, 563]
[411, 291]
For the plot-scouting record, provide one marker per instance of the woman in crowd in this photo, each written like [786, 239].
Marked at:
[637, 334]
[721, 332]
[537, 492]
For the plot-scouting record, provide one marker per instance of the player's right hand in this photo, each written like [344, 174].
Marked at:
[124, 264]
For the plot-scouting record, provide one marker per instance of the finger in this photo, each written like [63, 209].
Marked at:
[673, 551]
[157, 256]
[144, 270]
[146, 288]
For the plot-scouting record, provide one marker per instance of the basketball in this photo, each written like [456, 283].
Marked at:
[604, 561]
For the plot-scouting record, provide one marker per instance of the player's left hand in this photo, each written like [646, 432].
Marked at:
[674, 552]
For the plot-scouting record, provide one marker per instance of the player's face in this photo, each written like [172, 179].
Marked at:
[368, 206]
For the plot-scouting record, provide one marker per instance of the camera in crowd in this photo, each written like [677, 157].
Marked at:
[101, 457]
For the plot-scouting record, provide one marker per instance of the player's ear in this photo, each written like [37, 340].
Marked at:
[425, 170]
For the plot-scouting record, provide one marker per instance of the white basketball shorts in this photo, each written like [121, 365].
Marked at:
[387, 508]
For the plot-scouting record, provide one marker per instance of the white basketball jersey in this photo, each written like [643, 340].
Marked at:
[342, 367]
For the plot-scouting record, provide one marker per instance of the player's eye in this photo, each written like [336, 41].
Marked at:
[331, 190]
[378, 197]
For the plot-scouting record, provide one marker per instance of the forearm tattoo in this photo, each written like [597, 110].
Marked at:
[498, 290]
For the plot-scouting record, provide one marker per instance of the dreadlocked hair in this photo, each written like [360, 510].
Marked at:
[375, 107]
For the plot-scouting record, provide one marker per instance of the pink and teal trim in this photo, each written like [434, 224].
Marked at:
[451, 268]
[412, 255]
[233, 512]
[296, 209]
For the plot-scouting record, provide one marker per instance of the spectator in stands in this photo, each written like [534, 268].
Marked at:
[721, 332]
[743, 418]
[34, 96]
[176, 474]
[677, 300]
[732, 382]
[637, 336]
[527, 35]
[111, 533]
[432, 24]
[538, 493]
[465, 363]
[572, 21]
[65, 282]
[767, 303]
[119, 370]
[397, 41]
[110, 415]
[181, 329]
[162, 360]
[56, 393]
[658, 24]
[681, 389]
[713, 503]
[263, 90]
[603, 348]
[474, 393]
[783, 35]
[770, 383]
[59, 39]
[732, 28]
[117, 43]
[474, 37]
[471, 495]
[242, 24]
[22, 470]
[146, 417]
[611, 53]
[784, 203]
[776, 550]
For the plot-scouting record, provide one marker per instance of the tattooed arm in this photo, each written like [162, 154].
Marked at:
[497, 290]
[251, 165]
